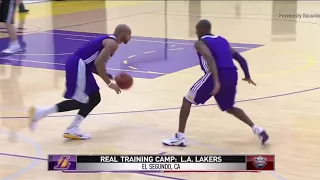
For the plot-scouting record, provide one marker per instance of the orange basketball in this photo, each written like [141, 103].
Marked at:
[124, 81]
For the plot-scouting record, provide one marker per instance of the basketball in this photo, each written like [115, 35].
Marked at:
[124, 81]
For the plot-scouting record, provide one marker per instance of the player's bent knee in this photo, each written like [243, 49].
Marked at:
[98, 100]
[232, 110]
[186, 102]
[189, 97]
[95, 99]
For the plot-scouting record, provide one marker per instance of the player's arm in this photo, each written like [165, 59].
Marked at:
[243, 63]
[110, 76]
[202, 48]
[244, 66]
[110, 46]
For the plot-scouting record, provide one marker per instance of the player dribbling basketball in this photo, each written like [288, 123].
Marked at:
[219, 80]
[82, 90]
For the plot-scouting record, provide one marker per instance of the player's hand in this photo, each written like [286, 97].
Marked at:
[249, 80]
[216, 88]
[115, 88]
[18, 2]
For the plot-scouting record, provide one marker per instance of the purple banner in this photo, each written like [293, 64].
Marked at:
[62, 163]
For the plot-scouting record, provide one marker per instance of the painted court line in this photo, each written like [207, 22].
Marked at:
[40, 54]
[142, 40]
[22, 156]
[175, 49]
[149, 52]
[174, 108]
[33, 163]
[131, 69]
[61, 64]
[74, 39]
[131, 56]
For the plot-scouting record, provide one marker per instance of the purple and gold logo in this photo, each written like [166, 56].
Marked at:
[63, 163]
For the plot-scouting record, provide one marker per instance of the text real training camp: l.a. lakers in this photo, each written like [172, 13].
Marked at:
[160, 159]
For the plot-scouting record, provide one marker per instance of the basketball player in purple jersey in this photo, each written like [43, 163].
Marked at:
[81, 87]
[219, 80]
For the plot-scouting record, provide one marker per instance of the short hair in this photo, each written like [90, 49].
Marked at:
[204, 24]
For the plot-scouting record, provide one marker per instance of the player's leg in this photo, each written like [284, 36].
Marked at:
[73, 84]
[242, 116]
[22, 8]
[8, 14]
[73, 131]
[76, 77]
[226, 100]
[198, 94]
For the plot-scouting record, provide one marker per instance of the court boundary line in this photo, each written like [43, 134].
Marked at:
[173, 108]
[31, 165]
[141, 40]
[61, 64]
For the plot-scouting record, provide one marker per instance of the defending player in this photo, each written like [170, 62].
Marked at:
[220, 80]
[81, 87]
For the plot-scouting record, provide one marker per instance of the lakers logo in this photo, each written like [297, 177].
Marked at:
[63, 163]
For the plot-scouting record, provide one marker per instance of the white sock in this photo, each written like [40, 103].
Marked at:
[46, 111]
[257, 129]
[180, 135]
[76, 122]
[14, 43]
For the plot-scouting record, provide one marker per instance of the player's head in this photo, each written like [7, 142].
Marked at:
[203, 27]
[123, 33]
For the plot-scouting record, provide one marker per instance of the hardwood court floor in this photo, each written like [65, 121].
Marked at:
[283, 57]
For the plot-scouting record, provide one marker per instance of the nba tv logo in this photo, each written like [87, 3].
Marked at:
[260, 162]
[63, 163]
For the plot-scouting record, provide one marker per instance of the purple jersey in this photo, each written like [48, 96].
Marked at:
[90, 51]
[220, 50]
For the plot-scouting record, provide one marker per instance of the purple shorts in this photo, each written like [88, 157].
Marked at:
[80, 82]
[200, 92]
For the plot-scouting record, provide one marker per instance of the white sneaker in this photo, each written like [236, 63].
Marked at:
[13, 49]
[75, 134]
[175, 141]
[34, 117]
[261, 133]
